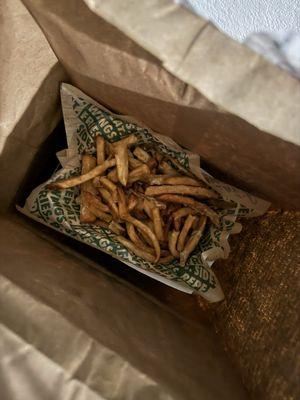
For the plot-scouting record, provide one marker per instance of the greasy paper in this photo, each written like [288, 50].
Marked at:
[84, 119]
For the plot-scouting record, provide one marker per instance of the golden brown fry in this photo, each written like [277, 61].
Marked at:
[196, 205]
[116, 227]
[157, 222]
[113, 175]
[100, 146]
[138, 173]
[120, 150]
[192, 241]
[100, 214]
[136, 250]
[173, 180]
[95, 201]
[132, 202]
[178, 214]
[78, 180]
[136, 239]
[173, 237]
[181, 189]
[149, 232]
[184, 232]
[141, 154]
[88, 163]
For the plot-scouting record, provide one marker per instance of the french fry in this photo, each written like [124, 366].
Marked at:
[157, 222]
[138, 173]
[158, 157]
[88, 163]
[178, 214]
[109, 185]
[166, 259]
[196, 205]
[78, 180]
[173, 237]
[181, 189]
[192, 241]
[110, 202]
[132, 202]
[136, 250]
[100, 214]
[113, 175]
[173, 180]
[148, 232]
[188, 223]
[135, 238]
[120, 150]
[100, 146]
[141, 154]
[91, 200]
[166, 168]
[116, 227]
[133, 162]
[147, 208]
[123, 211]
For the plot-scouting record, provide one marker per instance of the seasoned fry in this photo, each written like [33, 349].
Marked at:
[192, 241]
[100, 214]
[138, 173]
[136, 250]
[144, 228]
[78, 180]
[181, 189]
[135, 238]
[196, 205]
[113, 175]
[188, 223]
[173, 237]
[141, 154]
[132, 202]
[88, 163]
[110, 202]
[158, 157]
[116, 227]
[95, 201]
[178, 214]
[100, 146]
[173, 180]
[120, 150]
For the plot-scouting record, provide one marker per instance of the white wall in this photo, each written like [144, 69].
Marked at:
[240, 18]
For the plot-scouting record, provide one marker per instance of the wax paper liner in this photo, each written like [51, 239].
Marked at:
[84, 119]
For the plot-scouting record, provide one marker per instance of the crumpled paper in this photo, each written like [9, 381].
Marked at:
[84, 119]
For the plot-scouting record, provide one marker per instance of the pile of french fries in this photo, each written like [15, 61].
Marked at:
[153, 205]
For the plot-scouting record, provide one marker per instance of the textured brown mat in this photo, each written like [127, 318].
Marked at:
[259, 322]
